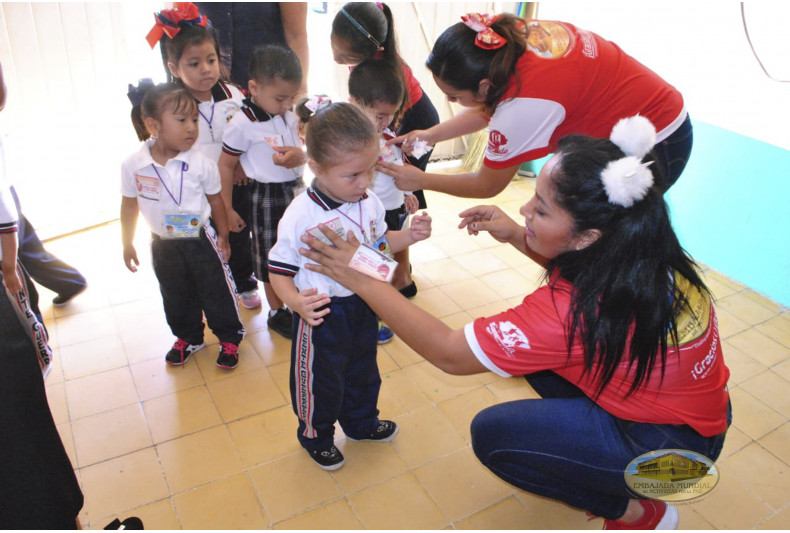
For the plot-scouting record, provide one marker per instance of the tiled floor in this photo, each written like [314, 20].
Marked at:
[201, 448]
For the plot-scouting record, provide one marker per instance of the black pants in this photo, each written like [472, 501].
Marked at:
[193, 281]
[39, 489]
[241, 265]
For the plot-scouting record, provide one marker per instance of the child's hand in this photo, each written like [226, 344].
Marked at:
[130, 258]
[239, 177]
[289, 156]
[412, 203]
[309, 304]
[10, 277]
[420, 227]
[224, 248]
[235, 222]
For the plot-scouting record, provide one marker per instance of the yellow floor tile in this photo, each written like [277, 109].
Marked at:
[292, 485]
[110, 434]
[335, 515]
[227, 504]
[400, 503]
[181, 413]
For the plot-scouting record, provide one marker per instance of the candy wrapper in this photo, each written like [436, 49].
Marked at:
[373, 263]
[420, 148]
[335, 225]
[388, 154]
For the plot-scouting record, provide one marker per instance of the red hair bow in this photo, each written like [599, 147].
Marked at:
[486, 38]
[170, 21]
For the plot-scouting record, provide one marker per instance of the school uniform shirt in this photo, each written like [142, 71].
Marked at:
[693, 389]
[179, 187]
[570, 80]
[251, 134]
[364, 218]
[226, 101]
[383, 185]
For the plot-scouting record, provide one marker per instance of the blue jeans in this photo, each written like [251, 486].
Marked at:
[673, 153]
[565, 447]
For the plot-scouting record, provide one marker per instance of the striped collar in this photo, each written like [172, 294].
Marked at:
[220, 91]
[326, 203]
[254, 112]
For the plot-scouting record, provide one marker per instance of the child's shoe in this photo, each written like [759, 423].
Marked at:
[328, 458]
[228, 355]
[409, 291]
[181, 351]
[385, 432]
[658, 515]
[385, 334]
[250, 299]
[281, 322]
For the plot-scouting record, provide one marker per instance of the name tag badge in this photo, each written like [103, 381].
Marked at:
[182, 226]
[147, 187]
[387, 154]
[275, 141]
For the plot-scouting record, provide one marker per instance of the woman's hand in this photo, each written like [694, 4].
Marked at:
[289, 156]
[407, 177]
[332, 260]
[492, 219]
[407, 140]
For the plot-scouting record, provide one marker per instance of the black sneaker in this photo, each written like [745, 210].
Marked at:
[62, 299]
[385, 432]
[282, 322]
[328, 458]
[181, 351]
[409, 291]
[130, 523]
[228, 355]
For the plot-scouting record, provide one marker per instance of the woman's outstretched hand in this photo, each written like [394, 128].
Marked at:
[492, 219]
[406, 177]
[332, 260]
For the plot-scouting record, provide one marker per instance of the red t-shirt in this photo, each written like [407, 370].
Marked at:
[531, 337]
[573, 81]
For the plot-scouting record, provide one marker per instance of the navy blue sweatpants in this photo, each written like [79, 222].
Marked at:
[334, 373]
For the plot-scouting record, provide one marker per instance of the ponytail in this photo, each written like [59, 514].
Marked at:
[458, 59]
[369, 30]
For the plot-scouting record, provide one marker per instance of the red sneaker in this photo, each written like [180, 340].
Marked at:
[658, 515]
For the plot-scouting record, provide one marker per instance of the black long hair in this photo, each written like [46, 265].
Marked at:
[459, 62]
[625, 298]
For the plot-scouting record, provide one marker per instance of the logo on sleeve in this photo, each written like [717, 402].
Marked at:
[497, 142]
[509, 337]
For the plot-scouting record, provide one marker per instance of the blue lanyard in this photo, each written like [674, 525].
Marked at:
[209, 120]
[181, 186]
[357, 224]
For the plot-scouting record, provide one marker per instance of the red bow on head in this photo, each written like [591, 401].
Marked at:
[170, 21]
[486, 38]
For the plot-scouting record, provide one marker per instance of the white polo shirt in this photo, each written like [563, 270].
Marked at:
[179, 187]
[307, 211]
[215, 114]
[251, 134]
[383, 185]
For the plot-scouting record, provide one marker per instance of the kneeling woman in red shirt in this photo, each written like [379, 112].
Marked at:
[621, 342]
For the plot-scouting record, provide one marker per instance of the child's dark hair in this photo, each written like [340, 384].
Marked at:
[272, 61]
[459, 62]
[190, 34]
[625, 301]
[378, 81]
[368, 28]
[338, 129]
[149, 100]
